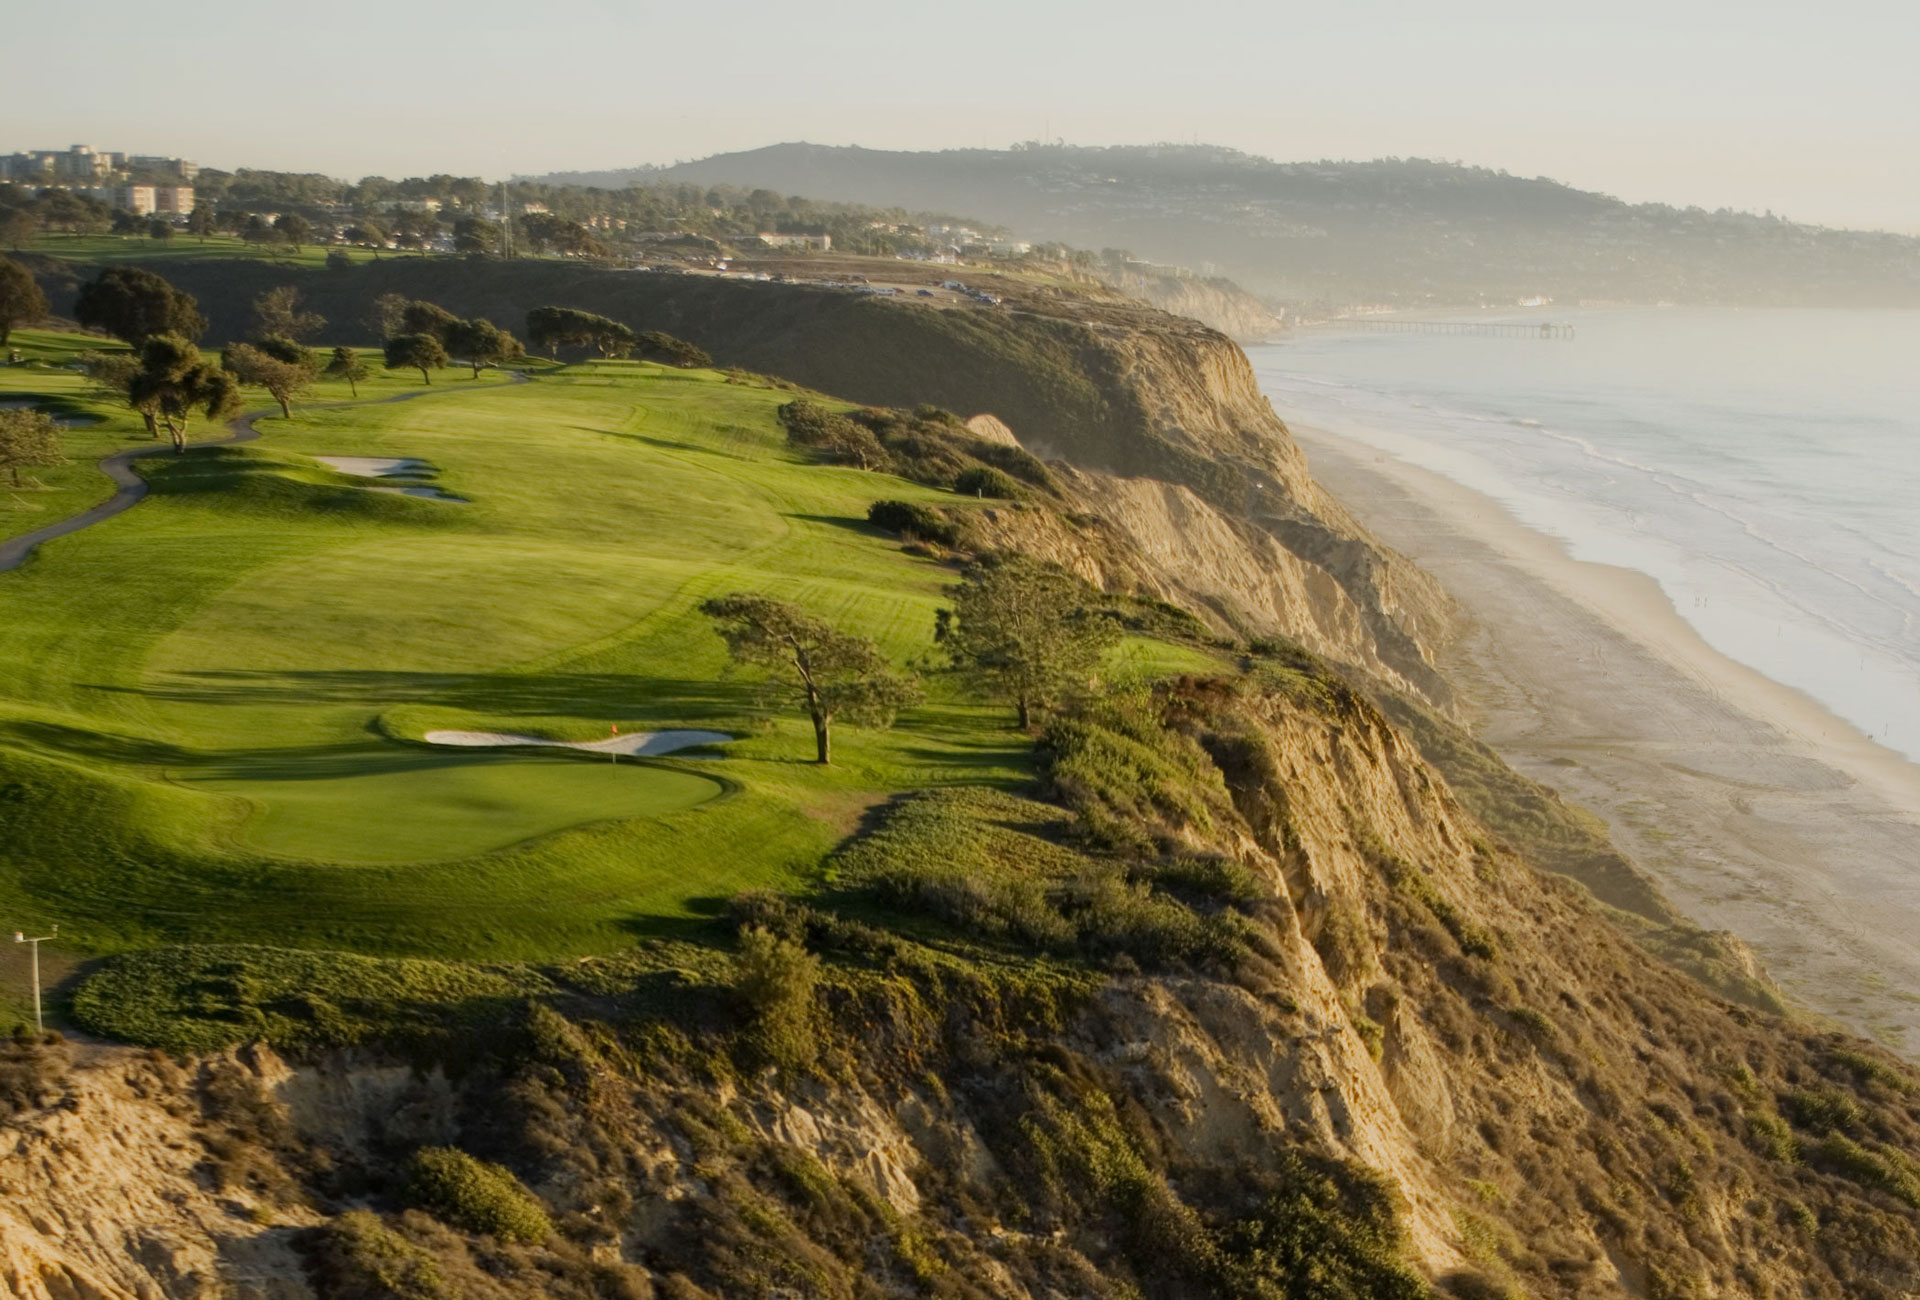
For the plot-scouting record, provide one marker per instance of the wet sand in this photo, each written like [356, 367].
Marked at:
[1759, 811]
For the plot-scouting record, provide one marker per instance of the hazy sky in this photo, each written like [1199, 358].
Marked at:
[1812, 111]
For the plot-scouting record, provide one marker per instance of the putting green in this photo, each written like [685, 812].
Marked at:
[436, 807]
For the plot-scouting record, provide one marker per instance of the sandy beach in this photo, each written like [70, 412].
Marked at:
[1758, 810]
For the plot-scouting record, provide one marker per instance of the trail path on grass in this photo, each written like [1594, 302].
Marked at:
[131, 487]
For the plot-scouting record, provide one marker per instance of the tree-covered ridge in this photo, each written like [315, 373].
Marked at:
[286, 207]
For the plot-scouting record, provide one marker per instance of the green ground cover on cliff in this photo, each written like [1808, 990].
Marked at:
[211, 705]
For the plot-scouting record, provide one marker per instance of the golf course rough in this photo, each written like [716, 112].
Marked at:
[212, 705]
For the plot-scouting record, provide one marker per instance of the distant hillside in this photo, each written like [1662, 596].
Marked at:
[1390, 231]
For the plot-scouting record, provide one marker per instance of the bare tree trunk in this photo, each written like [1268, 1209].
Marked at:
[822, 739]
[179, 432]
[352, 387]
[1026, 712]
[286, 408]
[424, 375]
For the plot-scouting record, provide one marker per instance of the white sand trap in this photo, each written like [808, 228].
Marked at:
[644, 744]
[373, 466]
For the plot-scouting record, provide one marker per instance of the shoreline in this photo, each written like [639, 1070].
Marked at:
[1757, 809]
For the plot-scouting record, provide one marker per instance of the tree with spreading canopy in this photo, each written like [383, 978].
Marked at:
[172, 381]
[346, 364]
[388, 315]
[544, 230]
[481, 343]
[827, 674]
[160, 230]
[19, 223]
[660, 346]
[810, 425]
[427, 318]
[554, 328]
[28, 440]
[1025, 631]
[277, 314]
[200, 222]
[134, 305]
[293, 228]
[283, 379]
[475, 235]
[285, 349]
[76, 213]
[21, 302]
[422, 352]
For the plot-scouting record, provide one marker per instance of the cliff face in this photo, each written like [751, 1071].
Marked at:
[122, 1177]
[1216, 303]
[1425, 1062]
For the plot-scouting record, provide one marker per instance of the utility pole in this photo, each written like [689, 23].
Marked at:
[506, 225]
[19, 936]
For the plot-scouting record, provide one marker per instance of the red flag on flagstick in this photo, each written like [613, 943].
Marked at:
[616, 728]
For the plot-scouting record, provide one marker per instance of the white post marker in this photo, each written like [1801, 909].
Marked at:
[20, 936]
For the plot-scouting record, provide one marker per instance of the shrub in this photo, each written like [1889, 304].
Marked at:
[911, 518]
[1869, 1069]
[986, 481]
[1887, 1172]
[1823, 1110]
[362, 1259]
[1772, 1137]
[201, 998]
[774, 981]
[980, 863]
[472, 1194]
[33, 1072]
[810, 425]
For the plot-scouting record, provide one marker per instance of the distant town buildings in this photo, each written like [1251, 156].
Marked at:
[141, 200]
[83, 163]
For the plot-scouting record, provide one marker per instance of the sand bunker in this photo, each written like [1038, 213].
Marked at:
[643, 744]
[391, 467]
[374, 466]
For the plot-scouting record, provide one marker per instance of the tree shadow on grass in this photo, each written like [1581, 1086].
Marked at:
[376, 756]
[584, 695]
[850, 523]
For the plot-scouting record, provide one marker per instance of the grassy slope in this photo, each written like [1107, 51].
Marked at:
[207, 703]
[68, 489]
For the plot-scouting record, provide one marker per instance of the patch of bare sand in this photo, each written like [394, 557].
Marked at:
[1758, 810]
[644, 744]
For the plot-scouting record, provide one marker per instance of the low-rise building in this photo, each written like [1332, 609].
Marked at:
[815, 243]
[137, 199]
[157, 164]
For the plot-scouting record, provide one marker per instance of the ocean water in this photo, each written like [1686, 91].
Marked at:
[1763, 466]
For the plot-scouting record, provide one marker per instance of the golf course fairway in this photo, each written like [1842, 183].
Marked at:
[212, 705]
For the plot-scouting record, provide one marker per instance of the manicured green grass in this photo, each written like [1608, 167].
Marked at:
[211, 705]
[47, 373]
[461, 804]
